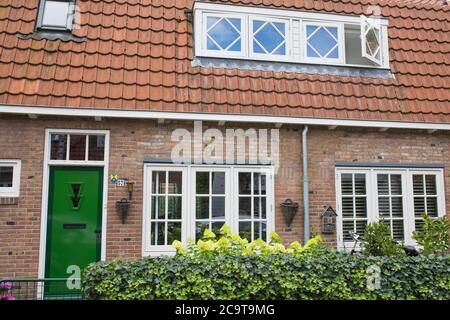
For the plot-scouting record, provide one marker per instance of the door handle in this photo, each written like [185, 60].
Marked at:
[98, 233]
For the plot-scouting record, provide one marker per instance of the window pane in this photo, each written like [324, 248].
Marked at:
[202, 182]
[245, 208]
[173, 232]
[6, 177]
[398, 230]
[430, 184]
[159, 182]
[55, 13]
[216, 226]
[259, 183]
[360, 207]
[397, 207]
[360, 184]
[218, 208]
[175, 182]
[322, 42]
[58, 147]
[174, 208]
[383, 184]
[347, 184]
[158, 207]
[96, 148]
[260, 230]
[361, 226]
[396, 184]
[157, 233]
[245, 183]
[432, 209]
[348, 226]
[245, 230]
[202, 208]
[218, 182]
[418, 184]
[223, 34]
[353, 50]
[383, 207]
[269, 37]
[419, 207]
[200, 227]
[77, 147]
[347, 207]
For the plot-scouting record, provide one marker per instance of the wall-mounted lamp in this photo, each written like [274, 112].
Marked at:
[130, 187]
[289, 210]
[123, 206]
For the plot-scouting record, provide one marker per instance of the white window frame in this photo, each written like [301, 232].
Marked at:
[223, 53]
[188, 200]
[14, 191]
[293, 18]
[69, 20]
[372, 197]
[371, 24]
[269, 56]
[340, 43]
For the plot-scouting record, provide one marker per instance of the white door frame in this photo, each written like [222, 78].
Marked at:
[45, 186]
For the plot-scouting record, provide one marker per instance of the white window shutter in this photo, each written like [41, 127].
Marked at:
[371, 40]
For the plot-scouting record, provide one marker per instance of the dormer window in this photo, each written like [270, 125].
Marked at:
[263, 34]
[56, 15]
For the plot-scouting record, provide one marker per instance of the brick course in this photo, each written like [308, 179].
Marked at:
[132, 140]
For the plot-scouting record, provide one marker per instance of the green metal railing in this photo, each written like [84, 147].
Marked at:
[39, 289]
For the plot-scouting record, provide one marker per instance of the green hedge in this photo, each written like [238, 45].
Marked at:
[319, 273]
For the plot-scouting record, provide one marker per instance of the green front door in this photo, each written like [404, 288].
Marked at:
[74, 222]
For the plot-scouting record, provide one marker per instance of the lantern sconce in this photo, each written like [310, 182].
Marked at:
[123, 206]
[328, 220]
[289, 210]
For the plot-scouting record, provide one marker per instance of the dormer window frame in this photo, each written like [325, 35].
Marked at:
[296, 45]
[41, 25]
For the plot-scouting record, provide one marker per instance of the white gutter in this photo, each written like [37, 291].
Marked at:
[253, 118]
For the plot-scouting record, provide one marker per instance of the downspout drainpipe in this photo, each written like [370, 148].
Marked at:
[305, 184]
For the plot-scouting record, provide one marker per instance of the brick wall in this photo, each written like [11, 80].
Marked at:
[132, 140]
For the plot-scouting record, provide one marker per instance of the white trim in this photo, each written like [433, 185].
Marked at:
[372, 197]
[283, 13]
[193, 116]
[14, 191]
[189, 196]
[45, 186]
[294, 19]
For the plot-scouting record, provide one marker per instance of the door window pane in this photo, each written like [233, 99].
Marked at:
[96, 148]
[77, 147]
[58, 147]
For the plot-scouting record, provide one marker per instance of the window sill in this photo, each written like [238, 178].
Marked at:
[344, 71]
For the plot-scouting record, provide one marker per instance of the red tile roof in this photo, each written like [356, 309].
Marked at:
[138, 56]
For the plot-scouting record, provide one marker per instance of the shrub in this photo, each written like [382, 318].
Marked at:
[433, 235]
[232, 268]
[378, 241]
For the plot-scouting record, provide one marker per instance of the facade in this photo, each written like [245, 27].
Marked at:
[341, 105]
